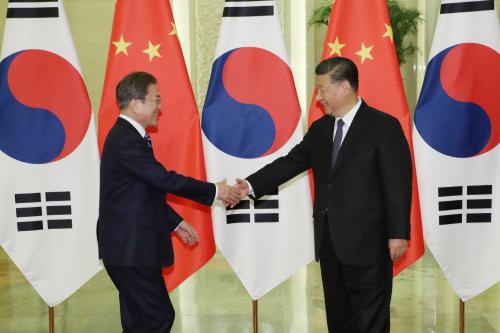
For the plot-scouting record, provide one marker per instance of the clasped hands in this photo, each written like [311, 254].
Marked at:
[231, 195]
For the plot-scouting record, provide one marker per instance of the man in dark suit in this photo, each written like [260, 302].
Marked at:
[362, 195]
[135, 222]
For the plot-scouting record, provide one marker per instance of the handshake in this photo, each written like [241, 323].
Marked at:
[231, 195]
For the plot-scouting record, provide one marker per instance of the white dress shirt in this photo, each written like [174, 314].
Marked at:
[347, 119]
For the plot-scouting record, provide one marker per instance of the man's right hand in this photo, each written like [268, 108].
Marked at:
[242, 186]
[227, 194]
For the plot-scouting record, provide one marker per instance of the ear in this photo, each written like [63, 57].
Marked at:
[134, 105]
[346, 87]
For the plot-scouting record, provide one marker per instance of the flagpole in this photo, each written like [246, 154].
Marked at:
[255, 316]
[462, 316]
[51, 319]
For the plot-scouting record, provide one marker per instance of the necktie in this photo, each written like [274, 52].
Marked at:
[337, 140]
[148, 140]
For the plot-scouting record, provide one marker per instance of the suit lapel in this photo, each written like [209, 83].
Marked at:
[328, 137]
[356, 128]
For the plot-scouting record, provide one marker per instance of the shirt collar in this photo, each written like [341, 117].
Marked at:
[134, 123]
[349, 116]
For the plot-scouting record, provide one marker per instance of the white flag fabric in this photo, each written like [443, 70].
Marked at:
[48, 153]
[252, 116]
[456, 136]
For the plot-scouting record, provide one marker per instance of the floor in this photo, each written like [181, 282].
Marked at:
[213, 300]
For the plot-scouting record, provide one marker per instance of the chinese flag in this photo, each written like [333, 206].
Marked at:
[144, 38]
[361, 31]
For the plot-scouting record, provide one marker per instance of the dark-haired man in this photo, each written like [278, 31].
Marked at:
[362, 195]
[135, 222]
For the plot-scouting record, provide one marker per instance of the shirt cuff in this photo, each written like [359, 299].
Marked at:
[178, 225]
[250, 188]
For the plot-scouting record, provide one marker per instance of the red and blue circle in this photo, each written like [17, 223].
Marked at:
[458, 113]
[44, 107]
[251, 109]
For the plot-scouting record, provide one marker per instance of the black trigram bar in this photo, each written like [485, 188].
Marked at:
[27, 197]
[450, 205]
[467, 6]
[58, 210]
[478, 203]
[243, 204]
[29, 226]
[238, 218]
[450, 219]
[29, 211]
[479, 218]
[248, 11]
[449, 191]
[59, 224]
[40, 12]
[266, 218]
[266, 204]
[479, 189]
[57, 196]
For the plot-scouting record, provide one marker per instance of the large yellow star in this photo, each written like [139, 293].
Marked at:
[335, 47]
[388, 32]
[121, 46]
[152, 51]
[174, 29]
[364, 53]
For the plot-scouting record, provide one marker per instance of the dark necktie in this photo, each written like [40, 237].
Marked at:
[148, 140]
[337, 140]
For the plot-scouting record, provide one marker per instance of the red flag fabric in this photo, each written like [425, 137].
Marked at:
[361, 31]
[144, 38]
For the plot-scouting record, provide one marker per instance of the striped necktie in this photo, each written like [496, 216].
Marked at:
[337, 140]
[148, 140]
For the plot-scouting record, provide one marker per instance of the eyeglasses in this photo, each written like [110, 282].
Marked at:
[157, 101]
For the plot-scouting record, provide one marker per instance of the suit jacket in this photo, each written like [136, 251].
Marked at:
[366, 197]
[135, 221]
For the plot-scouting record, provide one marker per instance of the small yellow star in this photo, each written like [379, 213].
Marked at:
[174, 30]
[365, 52]
[336, 47]
[388, 32]
[121, 46]
[152, 51]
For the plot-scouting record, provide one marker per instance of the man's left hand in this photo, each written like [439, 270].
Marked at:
[187, 233]
[397, 248]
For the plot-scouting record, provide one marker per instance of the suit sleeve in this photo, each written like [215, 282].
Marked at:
[173, 218]
[267, 179]
[396, 170]
[139, 160]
